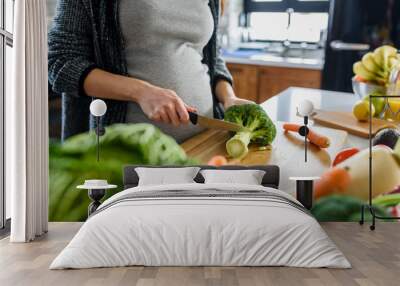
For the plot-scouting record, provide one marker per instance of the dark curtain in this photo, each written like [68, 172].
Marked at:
[395, 17]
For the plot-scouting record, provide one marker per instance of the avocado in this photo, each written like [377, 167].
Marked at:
[387, 136]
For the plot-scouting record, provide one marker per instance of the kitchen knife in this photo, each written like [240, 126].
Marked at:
[212, 123]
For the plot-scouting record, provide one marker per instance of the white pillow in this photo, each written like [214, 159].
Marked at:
[166, 176]
[247, 177]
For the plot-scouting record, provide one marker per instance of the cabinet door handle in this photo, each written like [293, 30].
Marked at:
[343, 46]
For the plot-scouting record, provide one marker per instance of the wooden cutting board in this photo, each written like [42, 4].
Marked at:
[346, 121]
[286, 150]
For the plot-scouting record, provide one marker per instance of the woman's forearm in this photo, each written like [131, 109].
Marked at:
[226, 95]
[102, 84]
[157, 103]
[224, 91]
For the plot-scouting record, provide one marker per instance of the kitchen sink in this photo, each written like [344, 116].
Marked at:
[260, 51]
[278, 54]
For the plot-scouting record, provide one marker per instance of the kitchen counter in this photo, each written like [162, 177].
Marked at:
[277, 61]
[314, 62]
[282, 107]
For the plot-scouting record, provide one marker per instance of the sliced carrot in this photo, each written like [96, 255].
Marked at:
[218, 160]
[315, 138]
[319, 140]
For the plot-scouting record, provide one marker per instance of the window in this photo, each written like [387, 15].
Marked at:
[287, 20]
[6, 43]
[300, 6]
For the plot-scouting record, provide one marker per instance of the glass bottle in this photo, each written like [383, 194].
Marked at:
[393, 104]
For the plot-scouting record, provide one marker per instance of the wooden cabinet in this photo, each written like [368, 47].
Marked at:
[245, 78]
[258, 83]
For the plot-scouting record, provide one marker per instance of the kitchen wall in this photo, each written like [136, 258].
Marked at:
[230, 34]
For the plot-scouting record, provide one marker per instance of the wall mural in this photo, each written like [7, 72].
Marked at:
[160, 112]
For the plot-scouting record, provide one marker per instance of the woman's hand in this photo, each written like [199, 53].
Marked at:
[157, 103]
[226, 95]
[235, 101]
[164, 105]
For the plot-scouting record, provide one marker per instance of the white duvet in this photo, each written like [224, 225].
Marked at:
[202, 231]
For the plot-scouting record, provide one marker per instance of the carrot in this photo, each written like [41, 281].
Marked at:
[315, 138]
[217, 160]
[334, 180]
[294, 127]
[319, 140]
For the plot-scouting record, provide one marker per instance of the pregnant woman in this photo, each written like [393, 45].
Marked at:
[151, 60]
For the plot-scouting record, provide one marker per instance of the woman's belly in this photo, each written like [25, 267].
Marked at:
[164, 46]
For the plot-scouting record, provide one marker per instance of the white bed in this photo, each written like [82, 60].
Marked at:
[201, 225]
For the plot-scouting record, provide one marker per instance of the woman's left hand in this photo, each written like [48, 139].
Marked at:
[226, 95]
[236, 101]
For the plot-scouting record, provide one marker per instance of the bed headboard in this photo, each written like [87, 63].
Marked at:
[271, 177]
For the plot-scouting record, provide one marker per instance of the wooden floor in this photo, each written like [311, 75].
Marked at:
[375, 257]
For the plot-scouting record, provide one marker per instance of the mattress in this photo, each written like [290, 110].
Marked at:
[201, 225]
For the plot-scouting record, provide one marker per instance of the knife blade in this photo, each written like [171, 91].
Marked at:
[212, 123]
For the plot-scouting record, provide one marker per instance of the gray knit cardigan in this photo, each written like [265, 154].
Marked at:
[85, 35]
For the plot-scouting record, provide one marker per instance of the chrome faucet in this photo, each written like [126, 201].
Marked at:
[286, 43]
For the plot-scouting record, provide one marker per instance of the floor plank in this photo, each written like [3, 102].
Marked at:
[375, 257]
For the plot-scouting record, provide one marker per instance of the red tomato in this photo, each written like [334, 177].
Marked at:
[344, 155]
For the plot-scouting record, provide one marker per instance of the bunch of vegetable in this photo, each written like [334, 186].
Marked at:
[351, 176]
[343, 189]
[348, 208]
[342, 208]
[375, 67]
[258, 128]
[75, 161]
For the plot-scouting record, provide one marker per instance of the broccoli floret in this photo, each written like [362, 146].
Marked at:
[257, 128]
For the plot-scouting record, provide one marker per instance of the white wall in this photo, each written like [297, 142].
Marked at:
[229, 32]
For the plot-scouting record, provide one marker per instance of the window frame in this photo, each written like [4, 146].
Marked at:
[6, 39]
[283, 6]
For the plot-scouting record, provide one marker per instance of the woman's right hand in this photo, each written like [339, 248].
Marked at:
[157, 103]
[164, 105]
